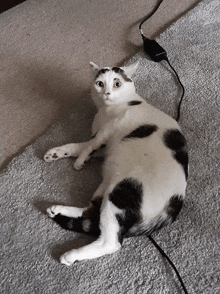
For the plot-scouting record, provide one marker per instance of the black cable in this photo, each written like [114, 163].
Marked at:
[183, 92]
[146, 18]
[171, 263]
[157, 54]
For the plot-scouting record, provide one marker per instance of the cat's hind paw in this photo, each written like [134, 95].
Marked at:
[55, 154]
[67, 258]
[53, 210]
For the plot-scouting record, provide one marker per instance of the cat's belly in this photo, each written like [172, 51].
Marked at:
[149, 161]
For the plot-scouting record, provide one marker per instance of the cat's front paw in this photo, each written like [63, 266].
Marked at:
[55, 154]
[78, 164]
[67, 258]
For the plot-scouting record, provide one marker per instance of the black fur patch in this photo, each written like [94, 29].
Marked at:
[94, 151]
[174, 140]
[121, 72]
[134, 102]
[117, 69]
[97, 201]
[127, 195]
[92, 213]
[101, 72]
[174, 206]
[72, 224]
[142, 132]
[182, 157]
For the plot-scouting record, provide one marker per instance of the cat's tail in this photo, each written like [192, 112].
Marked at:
[87, 223]
[167, 216]
[79, 225]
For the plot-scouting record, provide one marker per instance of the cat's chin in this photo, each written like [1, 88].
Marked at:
[108, 102]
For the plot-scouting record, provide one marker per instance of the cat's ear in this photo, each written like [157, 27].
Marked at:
[94, 67]
[131, 69]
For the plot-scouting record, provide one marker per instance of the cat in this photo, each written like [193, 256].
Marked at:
[144, 173]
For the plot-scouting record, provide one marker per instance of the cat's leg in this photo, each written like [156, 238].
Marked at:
[120, 211]
[68, 211]
[100, 191]
[101, 152]
[96, 143]
[72, 149]
[107, 243]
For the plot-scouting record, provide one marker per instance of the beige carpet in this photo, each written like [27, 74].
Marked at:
[31, 243]
[46, 47]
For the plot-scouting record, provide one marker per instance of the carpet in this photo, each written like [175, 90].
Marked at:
[31, 243]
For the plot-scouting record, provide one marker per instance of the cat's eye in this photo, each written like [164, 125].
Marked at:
[100, 84]
[117, 84]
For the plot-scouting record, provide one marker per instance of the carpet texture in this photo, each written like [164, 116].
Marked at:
[46, 47]
[31, 243]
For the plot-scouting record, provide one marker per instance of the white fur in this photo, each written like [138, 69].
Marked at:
[148, 160]
[107, 243]
[64, 210]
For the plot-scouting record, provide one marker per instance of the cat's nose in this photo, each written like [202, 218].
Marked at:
[106, 95]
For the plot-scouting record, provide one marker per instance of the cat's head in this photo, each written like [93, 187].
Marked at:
[113, 85]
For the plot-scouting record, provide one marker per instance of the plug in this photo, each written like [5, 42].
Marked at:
[154, 50]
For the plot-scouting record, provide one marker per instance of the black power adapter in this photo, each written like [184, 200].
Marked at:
[154, 50]
[157, 54]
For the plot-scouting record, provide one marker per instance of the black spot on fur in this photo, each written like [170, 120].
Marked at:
[126, 221]
[102, 71]
[174, 140]
[94, 151]
[134, 102]
[121, 72]
[97, 201]
[127, 195]
[182, 157]
[142, 132]
[117, 69]
[72, 224]
[55, 155]
[174, 206]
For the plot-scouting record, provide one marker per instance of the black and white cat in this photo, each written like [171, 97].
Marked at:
[144, 173]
